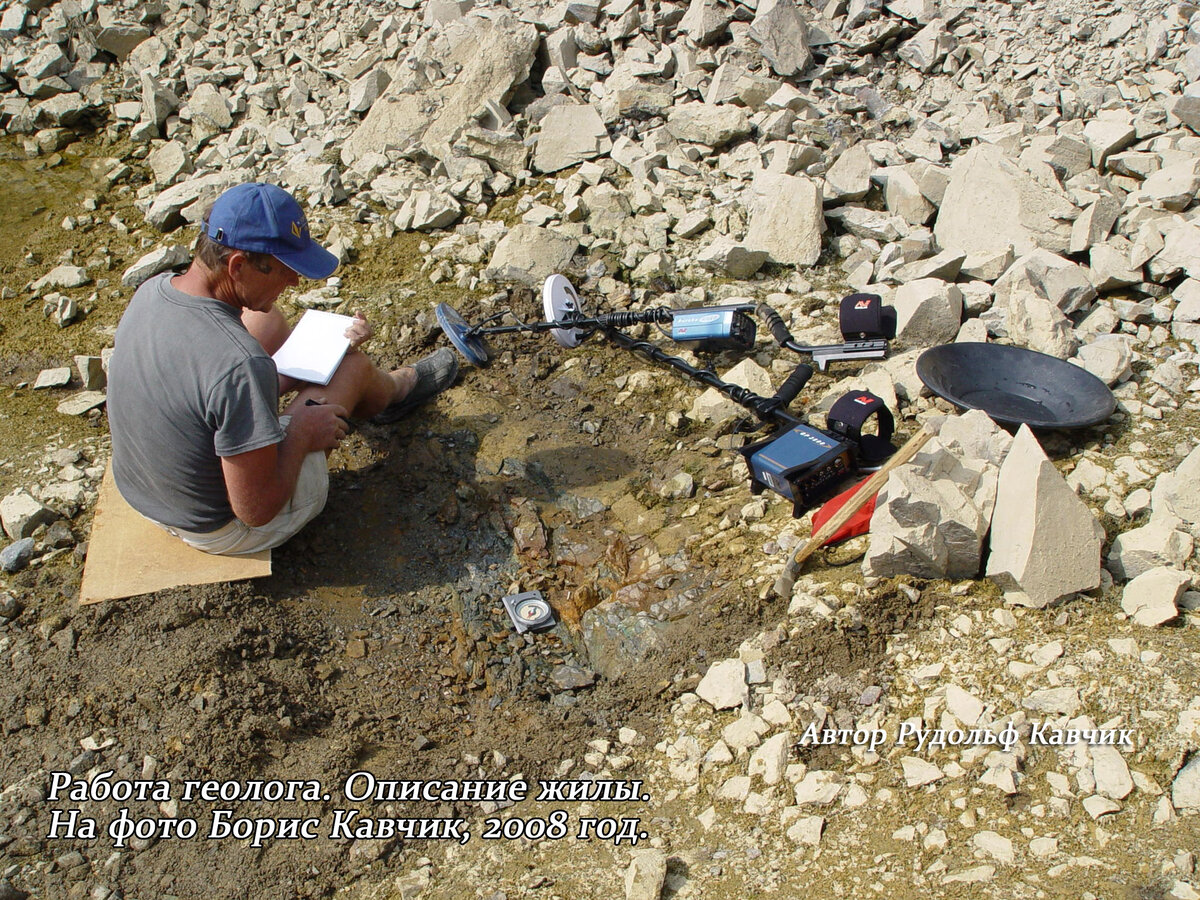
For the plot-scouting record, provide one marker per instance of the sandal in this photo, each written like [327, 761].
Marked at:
[435, 373]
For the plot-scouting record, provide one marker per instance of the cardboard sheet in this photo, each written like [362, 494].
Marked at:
[128, 555]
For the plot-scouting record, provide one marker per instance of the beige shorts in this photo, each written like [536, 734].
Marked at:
[237, 538]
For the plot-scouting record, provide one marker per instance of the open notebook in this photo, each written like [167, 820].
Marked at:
[315, 348]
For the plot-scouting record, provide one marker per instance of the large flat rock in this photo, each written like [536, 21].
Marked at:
[991, 204]
[786, 219]
[494, 52]
[1045, 541]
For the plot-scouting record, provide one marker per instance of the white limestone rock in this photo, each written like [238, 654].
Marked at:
[1109, 357]
[1173, 187]
[427, 210]
[64, 276]
[1187, 110]
[931, 516]
[81, 403]
[571, 133]
[944, 266]
[208, 105]
[1157, 544]
[716, 407]
[1111, 772]
[928, 312]
[714, 126]
[995, 845]
[928, 47]
[1097, 806]
[730, 257]
[1185, 789]
[52, 378]
[780, 29]
[919, 772]
[158, 260]
[1151, 598]
[849, 178]
[973, 435]
[1039, 325]
[771, 758]
[1187, 301]
[704, 22]
[1107, 133]
[168, 161]
[1180, 252]
[724, 685]
[745, 733]
[1045, 542]
[529, 255]
[963, 705]
[1060, 701]
[785, 219]
[491, 54]
[119, 38]
[807, 830]
[987, 265]
[1177, 494]
[1094, 223]
[12, 23]
[367, 88]
[903, 197]
[820, 788]
[158, 102]
[92, 375]
[1109, 265]
[187, 200]
[991, 204]
[870, 224]
[21, 514]
[646, 874]
[1049, 276]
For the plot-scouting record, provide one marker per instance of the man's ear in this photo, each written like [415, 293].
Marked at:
[234, 263]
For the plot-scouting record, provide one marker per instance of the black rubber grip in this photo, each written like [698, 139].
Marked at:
[779, 329]
[624, 319]
[795, 383]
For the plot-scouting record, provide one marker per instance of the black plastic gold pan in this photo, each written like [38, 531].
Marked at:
[1016, 386]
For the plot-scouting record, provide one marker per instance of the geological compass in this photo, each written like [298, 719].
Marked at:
[529, 611]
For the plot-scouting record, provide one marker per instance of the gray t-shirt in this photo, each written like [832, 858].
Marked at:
[187, 384]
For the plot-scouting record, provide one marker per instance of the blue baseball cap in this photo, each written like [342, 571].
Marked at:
[263, 218]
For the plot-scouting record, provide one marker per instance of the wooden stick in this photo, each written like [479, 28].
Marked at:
[869, 488]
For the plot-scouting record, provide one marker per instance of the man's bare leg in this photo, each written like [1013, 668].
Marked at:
[269, 328]
[357, 385]
[360, 387]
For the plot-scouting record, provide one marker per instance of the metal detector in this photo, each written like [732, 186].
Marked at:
[798, 461]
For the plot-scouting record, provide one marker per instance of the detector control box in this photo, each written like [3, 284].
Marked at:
[714, 328]
[803, 464]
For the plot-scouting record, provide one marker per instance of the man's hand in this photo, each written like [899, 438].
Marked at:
[360, 331]
[318, 425]
[259, 482]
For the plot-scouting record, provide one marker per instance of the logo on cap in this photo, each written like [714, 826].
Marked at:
[297, 229]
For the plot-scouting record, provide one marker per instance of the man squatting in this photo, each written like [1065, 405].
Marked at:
[199, 446]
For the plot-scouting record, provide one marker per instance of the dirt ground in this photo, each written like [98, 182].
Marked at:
[380, 642]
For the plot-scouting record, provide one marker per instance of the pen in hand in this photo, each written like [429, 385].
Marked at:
[311, 402]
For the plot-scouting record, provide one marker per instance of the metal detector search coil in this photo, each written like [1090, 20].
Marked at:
[529, 611]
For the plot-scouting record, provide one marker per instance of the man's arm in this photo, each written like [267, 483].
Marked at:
[260, 482]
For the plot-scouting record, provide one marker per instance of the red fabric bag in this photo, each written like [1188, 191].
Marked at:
[859, 523]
